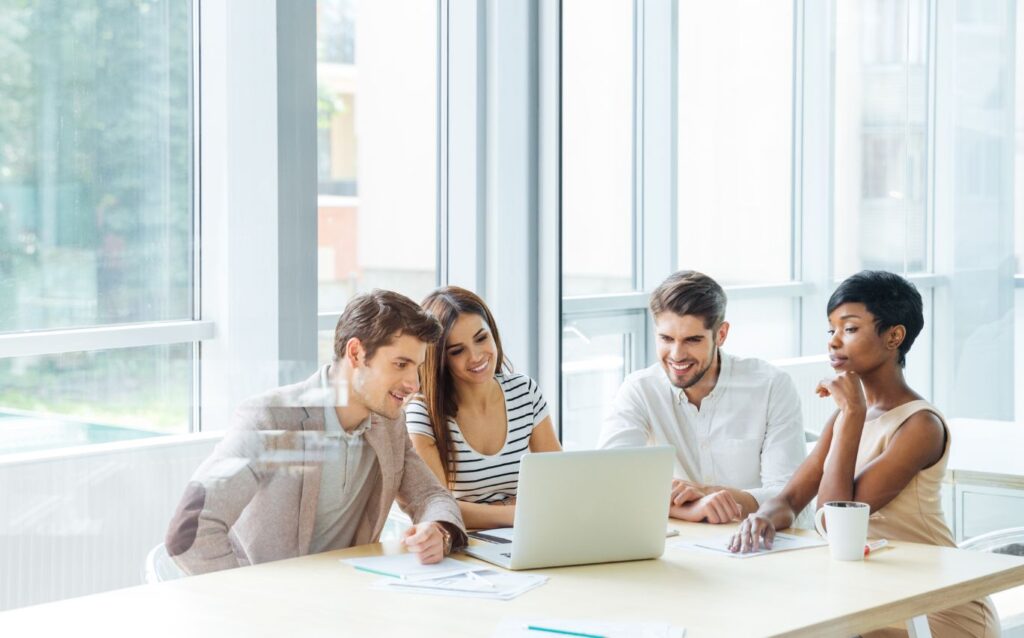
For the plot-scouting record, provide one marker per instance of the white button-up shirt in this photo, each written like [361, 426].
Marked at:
[747, 434]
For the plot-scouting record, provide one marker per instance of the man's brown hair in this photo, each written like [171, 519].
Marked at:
[689, 292]
[378, 317]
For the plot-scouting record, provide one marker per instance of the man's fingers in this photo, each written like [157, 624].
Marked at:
[417, 535]
[724, 516]
[429, 556]
[684, 495]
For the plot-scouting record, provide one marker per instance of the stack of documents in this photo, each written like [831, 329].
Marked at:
[555, 627]
[403, 572]
[720, 545]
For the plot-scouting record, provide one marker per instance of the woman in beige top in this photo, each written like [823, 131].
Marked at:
[884, 445]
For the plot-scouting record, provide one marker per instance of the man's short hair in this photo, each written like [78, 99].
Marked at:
[892, 299]
[378, 317]
[689, 292]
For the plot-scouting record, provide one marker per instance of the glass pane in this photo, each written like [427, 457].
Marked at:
[80, 398]
[1018, 348]
[597, 146]
[880, 149]
[1018, 163]
[974, 364]
[735, 139]
[95, 163]
[763, 328]
[919, 360]
[376, 148]
[324, 346]
[593, 368]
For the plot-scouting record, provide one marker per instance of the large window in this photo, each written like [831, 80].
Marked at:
[1018, 218]
[96, 214]
[598, 210]
[813, 140]
[597, 146]
[880, 149]
[735, 122]
[376, 149]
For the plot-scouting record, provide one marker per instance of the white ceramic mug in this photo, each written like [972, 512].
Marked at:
[847, 528]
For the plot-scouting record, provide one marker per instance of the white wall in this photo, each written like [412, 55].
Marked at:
[82, 523]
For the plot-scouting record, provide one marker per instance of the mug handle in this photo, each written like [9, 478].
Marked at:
[819, 523]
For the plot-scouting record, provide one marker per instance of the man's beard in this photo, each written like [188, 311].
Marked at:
[700, 375]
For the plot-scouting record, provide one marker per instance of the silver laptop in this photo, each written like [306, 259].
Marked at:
[576, 508]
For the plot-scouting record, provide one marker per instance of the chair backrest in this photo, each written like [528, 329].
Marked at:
[1002, 541]
[806, 372]
[1008, 603]
[160, 566]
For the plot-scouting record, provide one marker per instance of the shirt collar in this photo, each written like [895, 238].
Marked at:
[331, 423]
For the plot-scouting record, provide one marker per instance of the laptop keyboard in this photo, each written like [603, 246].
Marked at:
[488, 537]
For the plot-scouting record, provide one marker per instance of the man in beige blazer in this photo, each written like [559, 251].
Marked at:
[305, 468]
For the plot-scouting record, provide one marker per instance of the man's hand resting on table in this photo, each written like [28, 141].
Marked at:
[425, 540]
[713, 507]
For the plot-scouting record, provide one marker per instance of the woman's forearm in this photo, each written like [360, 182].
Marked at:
[487, 516]
[778, 510]
[837, 480]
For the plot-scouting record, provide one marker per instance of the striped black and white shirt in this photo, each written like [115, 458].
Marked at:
[480, 478]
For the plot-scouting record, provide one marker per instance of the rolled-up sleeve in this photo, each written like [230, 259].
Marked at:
[784, 448]
[627, 422]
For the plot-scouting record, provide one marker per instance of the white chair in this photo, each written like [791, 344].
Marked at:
[1009, 603]
[396, 524]
[160, 566]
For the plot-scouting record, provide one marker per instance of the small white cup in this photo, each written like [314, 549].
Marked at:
[847, 528]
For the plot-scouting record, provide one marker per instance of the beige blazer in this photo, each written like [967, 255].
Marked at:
[255, 499]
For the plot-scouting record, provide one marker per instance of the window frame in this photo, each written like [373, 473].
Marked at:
[812, 272]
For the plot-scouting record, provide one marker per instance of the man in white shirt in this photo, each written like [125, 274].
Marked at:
[735, 423]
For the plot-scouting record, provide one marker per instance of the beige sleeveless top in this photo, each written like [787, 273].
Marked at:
[915, 515]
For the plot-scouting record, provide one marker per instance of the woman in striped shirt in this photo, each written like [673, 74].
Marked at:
[491, 416]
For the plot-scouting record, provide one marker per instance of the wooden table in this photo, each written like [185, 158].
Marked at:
[801, 593]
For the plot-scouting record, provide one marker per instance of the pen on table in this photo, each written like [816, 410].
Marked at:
[875, 546]
[480, 579]
[563, 632]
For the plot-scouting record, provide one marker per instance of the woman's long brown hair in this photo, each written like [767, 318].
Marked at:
[446, 304]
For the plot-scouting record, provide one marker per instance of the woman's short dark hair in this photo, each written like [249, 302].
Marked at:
[893, 301]
[380, 316]
[689, 292]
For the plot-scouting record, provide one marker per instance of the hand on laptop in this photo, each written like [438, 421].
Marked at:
[426, 540]
[716, 507]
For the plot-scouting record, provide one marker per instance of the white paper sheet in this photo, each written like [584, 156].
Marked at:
[408, 566]
[487, 583]
[720, 545]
